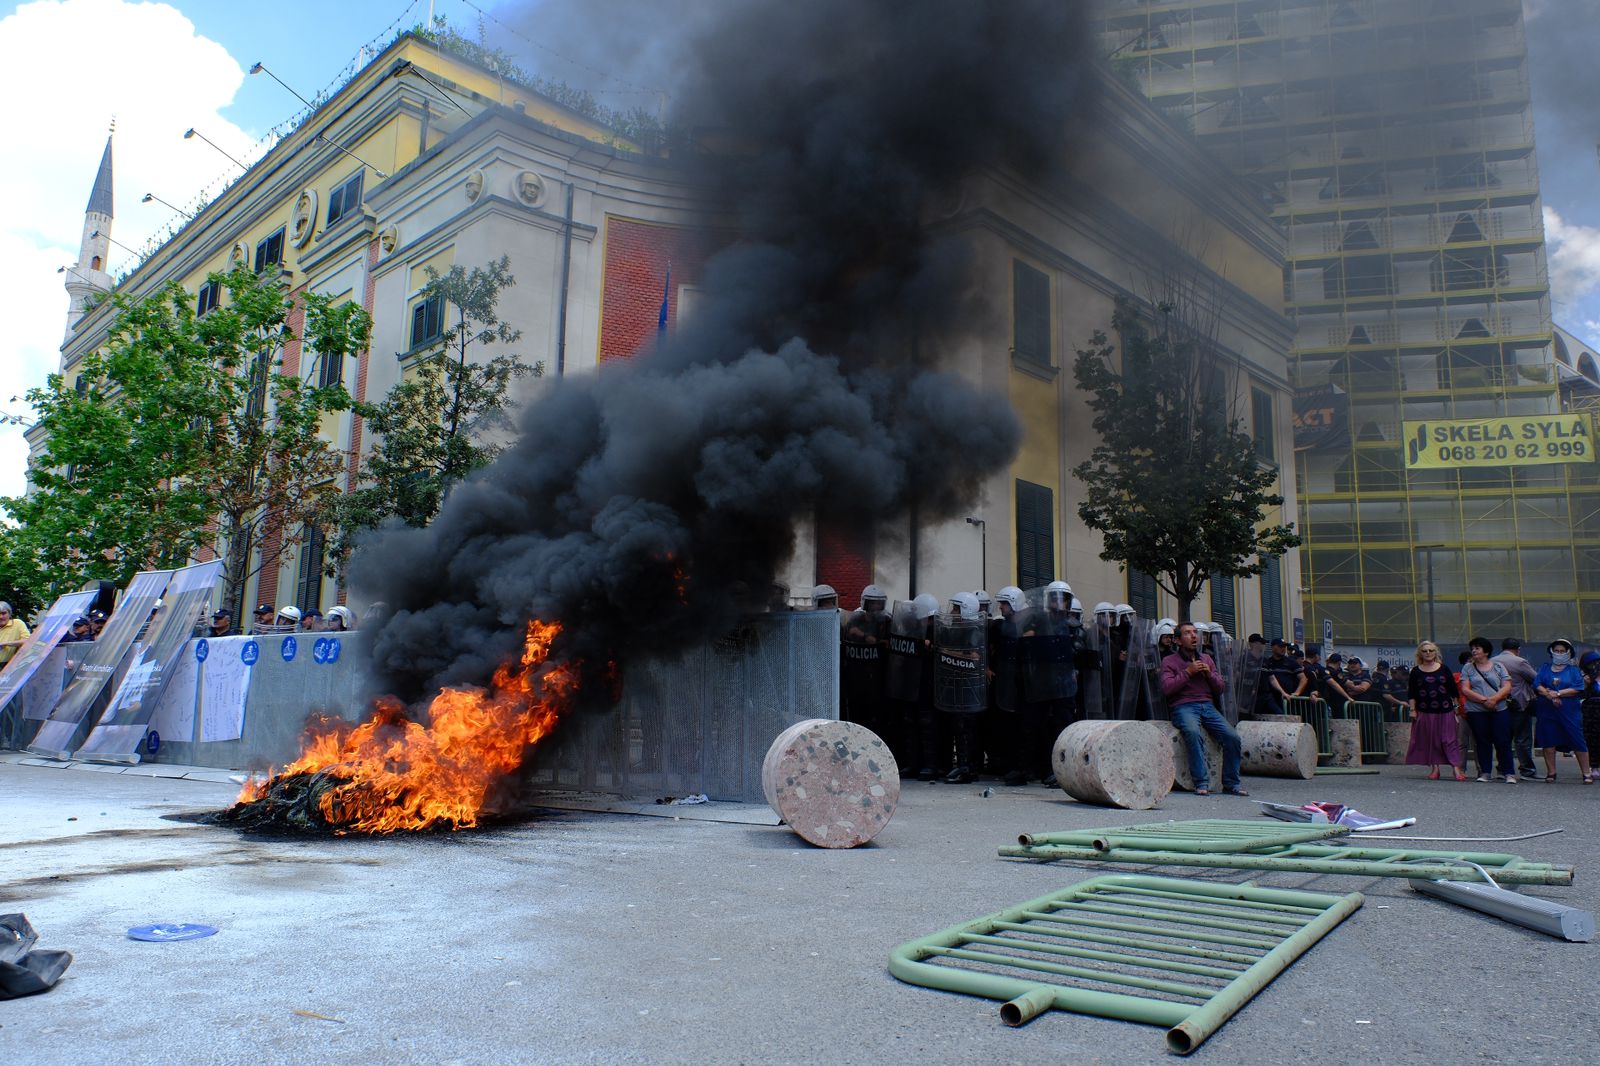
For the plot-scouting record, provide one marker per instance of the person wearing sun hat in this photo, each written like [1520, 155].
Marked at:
[1559, 684]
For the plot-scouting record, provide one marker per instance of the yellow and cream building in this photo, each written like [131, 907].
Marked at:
[427, 159]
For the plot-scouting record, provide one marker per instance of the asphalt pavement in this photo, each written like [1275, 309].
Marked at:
[582, 937]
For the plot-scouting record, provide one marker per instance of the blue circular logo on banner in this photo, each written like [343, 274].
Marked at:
[152, 742]
[249, 653]
[288, 649]
[201, 650]
[319, 650]
[333, 649]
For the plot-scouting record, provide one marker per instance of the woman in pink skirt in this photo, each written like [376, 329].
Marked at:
[1434, 706]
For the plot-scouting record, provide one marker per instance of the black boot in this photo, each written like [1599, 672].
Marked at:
[964, 729]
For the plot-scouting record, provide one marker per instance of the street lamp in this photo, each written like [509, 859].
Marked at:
[261, 68]
[983, 528]
[192, 132]
[114, 241]
[1429, 549]
[152, 197]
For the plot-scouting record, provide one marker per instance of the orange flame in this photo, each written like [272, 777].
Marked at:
[397, 774]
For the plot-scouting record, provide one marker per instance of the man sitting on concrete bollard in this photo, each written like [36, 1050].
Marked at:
[1189, 680]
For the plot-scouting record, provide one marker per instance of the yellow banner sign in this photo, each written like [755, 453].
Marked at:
[1527, 441]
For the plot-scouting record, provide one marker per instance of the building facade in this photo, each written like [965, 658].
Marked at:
[1393, 140]
[426, 159]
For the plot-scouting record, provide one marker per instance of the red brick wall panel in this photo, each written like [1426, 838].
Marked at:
[636, 258]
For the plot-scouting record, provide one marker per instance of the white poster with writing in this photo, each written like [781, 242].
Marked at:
[225, 689]
[174, 716]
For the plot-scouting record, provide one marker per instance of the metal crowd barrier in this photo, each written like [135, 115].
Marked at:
[1374, 743]
[1313, 713]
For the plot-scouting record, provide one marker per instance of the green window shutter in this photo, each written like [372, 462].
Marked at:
[1030, 313]
[1036, 542]
[1223, 608]
[1272, 599]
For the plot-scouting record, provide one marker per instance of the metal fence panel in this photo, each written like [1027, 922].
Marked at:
[701, 722]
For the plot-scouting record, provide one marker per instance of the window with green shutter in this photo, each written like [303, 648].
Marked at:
[1030, 309]
[1272, 599]
[1261, 425]
[1036, 538]
[1143, 595]
[1224, 609]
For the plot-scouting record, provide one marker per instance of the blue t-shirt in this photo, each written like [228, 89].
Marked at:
[1567, 677]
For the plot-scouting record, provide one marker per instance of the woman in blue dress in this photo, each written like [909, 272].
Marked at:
[1559, 684]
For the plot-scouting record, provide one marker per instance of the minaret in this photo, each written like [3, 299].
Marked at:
[89, 277]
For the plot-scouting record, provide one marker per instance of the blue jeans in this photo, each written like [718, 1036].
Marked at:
[1190, 719]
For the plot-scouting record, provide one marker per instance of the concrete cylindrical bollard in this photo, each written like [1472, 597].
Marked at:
[1182, 773]
[833, 783]
[1344, 741]
[1118, 764]
[1278, 719]
[1278, 749]
[1397, 738]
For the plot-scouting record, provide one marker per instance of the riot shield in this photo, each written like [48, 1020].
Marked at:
[1093, 686]
[863, 653]
[960, 682]
[906, 653]
[1048, 644]
[1005, 666]
[1247, 680]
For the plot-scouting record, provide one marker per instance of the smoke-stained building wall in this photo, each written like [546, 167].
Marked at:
[1394, 141]
[447, 163]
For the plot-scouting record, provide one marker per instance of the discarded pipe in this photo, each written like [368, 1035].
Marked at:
[1540, 915]
[1028, 1006]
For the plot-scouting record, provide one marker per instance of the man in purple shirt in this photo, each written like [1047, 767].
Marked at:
[1189, 679]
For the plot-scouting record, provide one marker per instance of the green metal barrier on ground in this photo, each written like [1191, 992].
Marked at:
[1186, 955]
[1247, 845]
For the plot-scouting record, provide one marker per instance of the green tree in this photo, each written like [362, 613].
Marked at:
[1174, 485]
[436, 426]
[181, 433]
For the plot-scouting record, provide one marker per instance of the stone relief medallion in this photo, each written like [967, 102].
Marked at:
[474, 186]
[239, 255]
[530, 188]
[304, 219]
[389, 239]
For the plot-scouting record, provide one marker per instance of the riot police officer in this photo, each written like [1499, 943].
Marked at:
[909, 686]
[960, 689]
[864, 634]
[1048, 647]
[1005, 684]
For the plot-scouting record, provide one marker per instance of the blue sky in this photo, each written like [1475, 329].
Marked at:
[160, 68]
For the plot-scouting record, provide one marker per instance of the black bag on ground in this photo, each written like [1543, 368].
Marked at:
[23, 971]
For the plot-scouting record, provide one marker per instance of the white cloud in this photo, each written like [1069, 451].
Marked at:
[1574, 252]
[90, 61]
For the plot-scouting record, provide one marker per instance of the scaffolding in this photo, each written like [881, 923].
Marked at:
[1394, 142]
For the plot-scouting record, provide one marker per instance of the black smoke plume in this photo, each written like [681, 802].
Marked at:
[644, 505]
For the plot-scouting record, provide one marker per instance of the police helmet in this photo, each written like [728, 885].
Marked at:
[925, 606]
[1013, 596]
[873, 592]
[1103, 607]
[1076, 607]
[964, 604]
[346, 617]
[824, 592]
[291, 614]
[1125, 611]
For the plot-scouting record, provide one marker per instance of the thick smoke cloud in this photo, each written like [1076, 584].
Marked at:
[645, 505]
